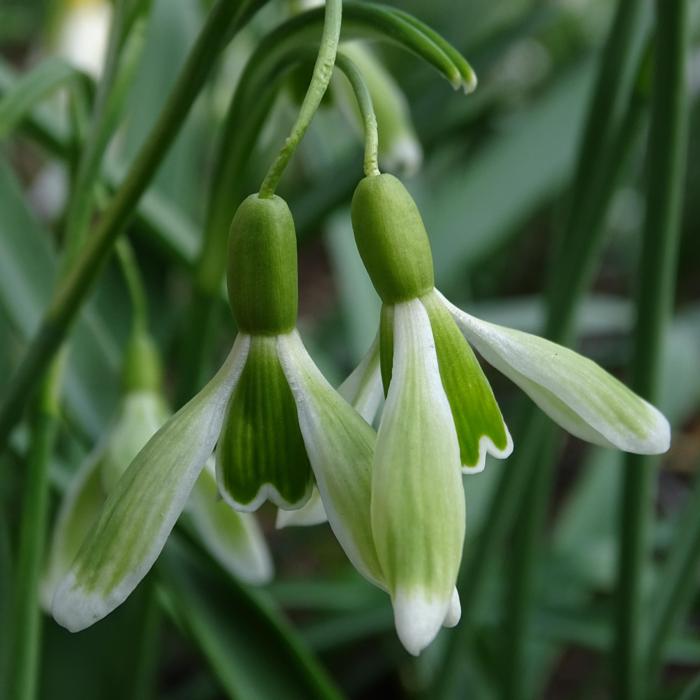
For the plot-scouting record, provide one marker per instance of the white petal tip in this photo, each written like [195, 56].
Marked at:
[486, 446]
[454, 612]
[75, 608]
[418, 619]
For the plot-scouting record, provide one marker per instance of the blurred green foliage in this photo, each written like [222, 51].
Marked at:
[493, 190]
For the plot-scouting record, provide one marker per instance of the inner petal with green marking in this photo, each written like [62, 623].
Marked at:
[261, 452]
[477, 417]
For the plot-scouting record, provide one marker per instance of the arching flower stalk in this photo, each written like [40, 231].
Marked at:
[441, 418]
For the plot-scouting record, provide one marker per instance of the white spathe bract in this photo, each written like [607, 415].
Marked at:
[142, 510]
[418, 506]
[573, 390]
[340, 445]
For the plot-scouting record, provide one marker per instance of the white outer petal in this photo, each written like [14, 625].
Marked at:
[168, 479]
[339, 474]
[545, 373]
[403, 515]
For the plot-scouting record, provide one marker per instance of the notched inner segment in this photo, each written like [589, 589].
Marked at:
[478, 419]
[261, 453]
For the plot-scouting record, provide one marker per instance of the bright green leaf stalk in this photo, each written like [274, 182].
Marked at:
[26, 624]
[33, 535]
[225, 17]
[667, 153]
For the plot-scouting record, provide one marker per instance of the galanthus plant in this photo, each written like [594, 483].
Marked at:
[233, 538]
[278, 424]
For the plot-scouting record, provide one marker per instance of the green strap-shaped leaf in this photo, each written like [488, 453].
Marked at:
[261, 452]
[32, 88]
[478, 419]
[252, 650]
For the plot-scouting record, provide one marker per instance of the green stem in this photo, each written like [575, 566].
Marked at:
[677, 585]
[74, 288]
[656, 287]
[321, 77]
[134, 285]
[27, 622]
[369, 119]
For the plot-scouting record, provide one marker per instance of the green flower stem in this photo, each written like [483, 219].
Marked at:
[252, 99]
[26, 628]
[508, 496]
[72, 292]
[134, 285]
[677, 583]
[369, 119]
[667, 149]
[321, 77]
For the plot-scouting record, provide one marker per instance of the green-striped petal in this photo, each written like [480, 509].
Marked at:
[261, 452]
[573, 390]
[340, 445]
[478, 419]
[141, 511]
[233, 538]
[417, 495]
[141, 413]
[78, 511]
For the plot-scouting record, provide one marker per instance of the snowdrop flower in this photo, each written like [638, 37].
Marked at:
[441, 418]
[279, 425]
[234, 539]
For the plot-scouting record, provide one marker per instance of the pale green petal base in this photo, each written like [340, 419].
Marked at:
[140, 513]
[573, 390]
[340, 445]
[234, 539]
[311, 513]
[363, 388]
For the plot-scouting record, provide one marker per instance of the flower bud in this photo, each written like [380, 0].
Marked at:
[392, 240]
[262, 267]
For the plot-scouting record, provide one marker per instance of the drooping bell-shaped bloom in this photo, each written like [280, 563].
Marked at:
[277, 425]
[234, 539]
[441, 418]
